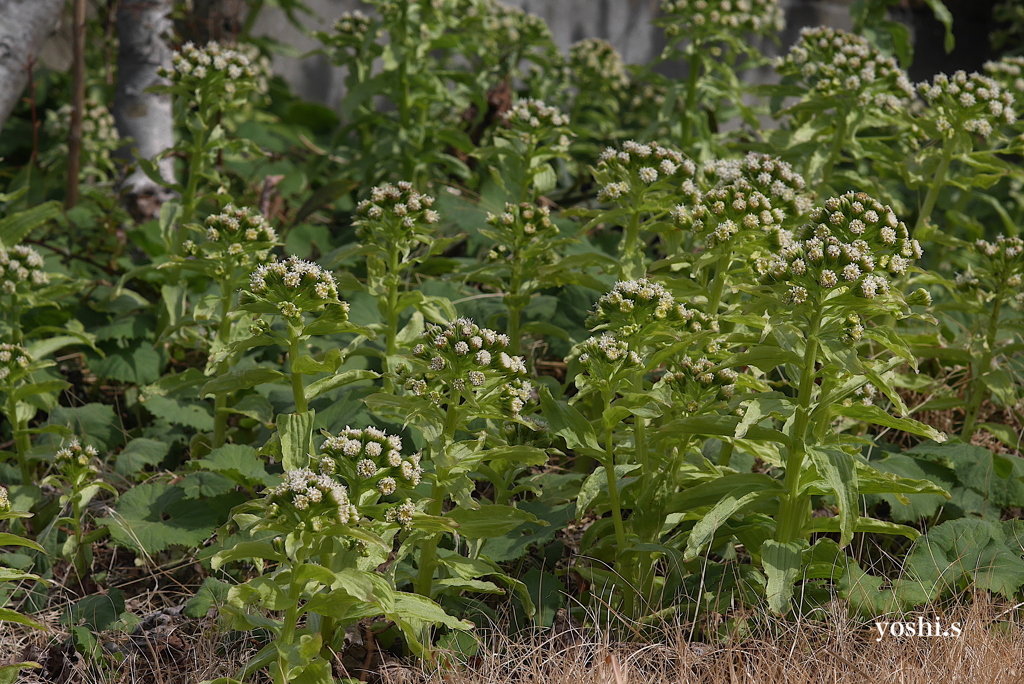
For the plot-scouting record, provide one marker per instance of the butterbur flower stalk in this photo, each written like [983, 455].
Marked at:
[289, 289]
[844, 72]
[21, 276]
[995, 282]
[16, 366]
[526, 239]
[234, 239]
[748, 199]
[636, 177]
[370, 461]
[393, 221]
[535, 130]
[960, 110]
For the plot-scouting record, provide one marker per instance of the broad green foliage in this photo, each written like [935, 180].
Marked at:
[517, 325]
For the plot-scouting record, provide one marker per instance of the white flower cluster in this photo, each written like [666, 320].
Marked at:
[99, 134]
[1000, 265]
[464, 356]
[639, 168]
[502, 29]
[863, 395]
[401, 513]
[853, 242]
[632, 305]
[833, 64]
[294, 286]
[604, 354]
[701, 20]
[597, 67]
[518, 227]
[21, 267]
[234, 71]
[973, 103]
[235, 232]
[534, 117]
[1009, 71]
[758, 193]
[75, 455]
[395, 213]
[374, 454]
[5, 501]
[351, 30]
[699, 381]
[311, 496]
[14, 359]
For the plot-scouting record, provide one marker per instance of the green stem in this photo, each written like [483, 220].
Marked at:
[22, 441]
[613, 489]
[725, 455]
[195, 169]
[428, 553]
[835, 153]
[640, 427]
[220, 402]
[938, 182]
[632, 257]
[721, 275]
[291, 619]
[696, 66]
[391, 348]
[793, 510]
[977, 387]
[515, 312]
[298, 391]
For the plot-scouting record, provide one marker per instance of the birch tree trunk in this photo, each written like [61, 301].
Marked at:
[24, 27]
[142, 29]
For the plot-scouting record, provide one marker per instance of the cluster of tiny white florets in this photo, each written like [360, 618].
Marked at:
[1009, 71]
[351, 31]
[633, 305]
[5, 501]
[214, 68]
[401, 514]
[970, 102]
[833, 64]
[14, 359]
[597, 67]
[639, 168]
[1000, 266]
[395, 212]
[242, 233]
[519, 227]
[853, 241]
[21, 268]
[305, 495]
[99, 135]
[863, 395]
[700, 382]
[74, 455]
[502, 29]
[604, 354]
[369, 454]
[758, 193]
[463, 356]
[294, 286]
[534, 119]
[706, 19]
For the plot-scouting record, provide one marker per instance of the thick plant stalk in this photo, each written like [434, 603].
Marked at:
[24, 27]
[144, 117]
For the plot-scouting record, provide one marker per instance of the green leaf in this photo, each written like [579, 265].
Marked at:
[96, 611]
[8, 615]
[95, 421]
[16, 227]
[153, 517]
[9, 673]
[596, 483]
[966, 552]
[186, 413]
[211, 593]
[732, 503]
[568, 423]
[235, 380]
[296, 431]
[489, 520]
[238, 462]
[876, 416]
[8, 539]
[324, 385]
[138, 454]
[781, 563]
[837, 469]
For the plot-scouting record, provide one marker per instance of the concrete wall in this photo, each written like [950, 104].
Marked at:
[624, 23]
